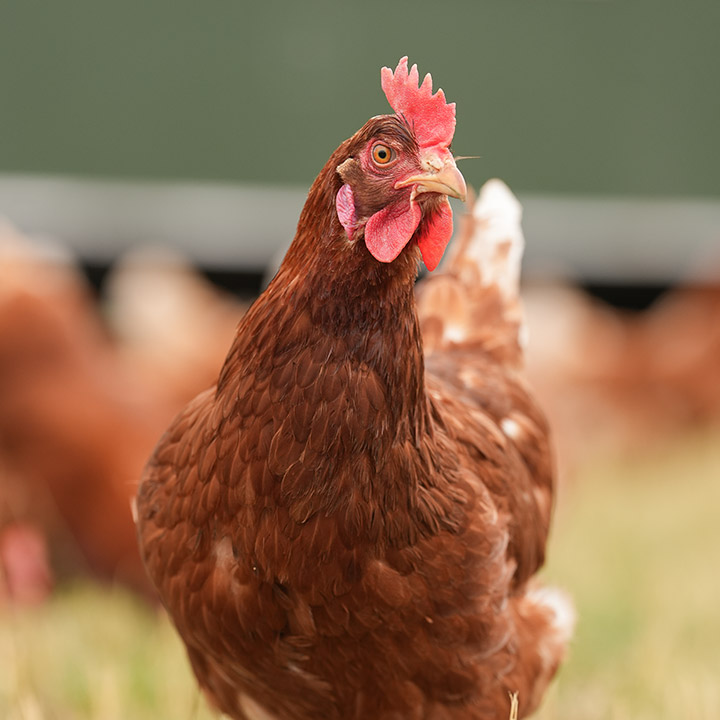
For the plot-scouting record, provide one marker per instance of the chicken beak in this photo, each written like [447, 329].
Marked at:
[446, 180]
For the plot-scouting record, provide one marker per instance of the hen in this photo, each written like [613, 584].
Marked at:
[342, 528]
[616, 381]
[76, 426]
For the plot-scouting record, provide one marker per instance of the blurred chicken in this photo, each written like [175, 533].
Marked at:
[171, 324]
[614, 380]
[75, 423]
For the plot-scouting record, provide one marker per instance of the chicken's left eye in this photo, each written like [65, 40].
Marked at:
[382, 154]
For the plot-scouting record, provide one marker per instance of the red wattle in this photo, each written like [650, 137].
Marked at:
[436, 235]
[388, 231]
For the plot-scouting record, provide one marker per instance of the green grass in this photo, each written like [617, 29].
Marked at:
[637, 543]
[94, 654]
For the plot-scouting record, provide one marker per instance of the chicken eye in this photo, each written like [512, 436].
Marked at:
[382, 154]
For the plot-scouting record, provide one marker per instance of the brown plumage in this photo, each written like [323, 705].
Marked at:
[340, 529]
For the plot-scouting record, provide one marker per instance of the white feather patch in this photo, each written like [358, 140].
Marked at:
[253, 709]
[510, 428]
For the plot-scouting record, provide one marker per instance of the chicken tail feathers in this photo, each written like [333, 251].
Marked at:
[475, 300]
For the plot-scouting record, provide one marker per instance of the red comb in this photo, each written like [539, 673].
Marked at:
[432, 119]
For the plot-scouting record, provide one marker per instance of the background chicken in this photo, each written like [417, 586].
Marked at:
[336, 531]
[169, 323]
[84, 402]
[75, 425]
[624, 382]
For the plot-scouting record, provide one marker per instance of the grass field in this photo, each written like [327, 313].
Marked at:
[637, 543]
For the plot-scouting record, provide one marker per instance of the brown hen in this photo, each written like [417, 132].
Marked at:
[342, 527]
[76, 426]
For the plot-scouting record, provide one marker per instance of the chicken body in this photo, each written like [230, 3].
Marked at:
[337, 529]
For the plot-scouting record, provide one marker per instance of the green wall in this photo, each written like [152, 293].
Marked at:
[571, 96]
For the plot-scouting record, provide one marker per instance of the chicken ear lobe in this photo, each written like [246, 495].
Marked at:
[345, 208]
[388, 231]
